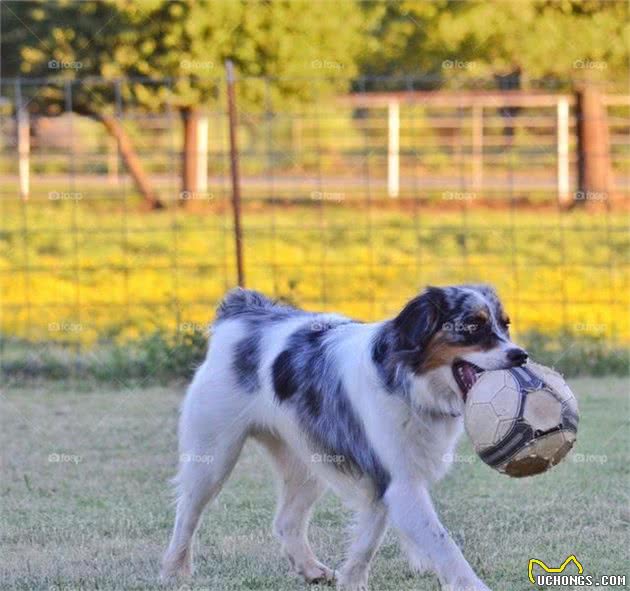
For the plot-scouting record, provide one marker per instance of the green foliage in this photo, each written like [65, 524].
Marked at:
[150, 359]
[545, 39]
[291, 41]
[588, 355]
[160, 357]
[308, 49]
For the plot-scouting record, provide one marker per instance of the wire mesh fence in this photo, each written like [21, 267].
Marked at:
[350, 202]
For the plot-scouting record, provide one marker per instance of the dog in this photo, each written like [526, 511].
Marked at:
[371, 410]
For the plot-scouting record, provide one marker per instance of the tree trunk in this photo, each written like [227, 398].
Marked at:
[131, 160]
[190, 188]
[595, 176]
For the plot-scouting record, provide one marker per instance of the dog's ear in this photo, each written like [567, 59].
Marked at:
[421, 318]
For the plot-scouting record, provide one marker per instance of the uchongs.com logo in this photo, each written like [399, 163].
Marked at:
[556, 576]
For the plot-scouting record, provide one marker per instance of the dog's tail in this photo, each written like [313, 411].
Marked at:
[240, 301]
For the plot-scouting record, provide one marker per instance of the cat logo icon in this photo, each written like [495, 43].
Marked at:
[533, 561]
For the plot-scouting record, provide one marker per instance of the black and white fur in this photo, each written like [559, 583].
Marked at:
[371, 410]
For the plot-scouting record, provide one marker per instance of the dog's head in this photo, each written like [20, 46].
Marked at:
[460, 331]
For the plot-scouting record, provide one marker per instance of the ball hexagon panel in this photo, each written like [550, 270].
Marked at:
[511, 381]
[481, 424]
[542, 410]
[506, 402]
[486, 386]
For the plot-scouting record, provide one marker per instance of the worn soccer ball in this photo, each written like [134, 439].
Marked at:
[521, 421]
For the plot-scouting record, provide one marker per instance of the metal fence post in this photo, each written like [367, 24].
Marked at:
[236, 189]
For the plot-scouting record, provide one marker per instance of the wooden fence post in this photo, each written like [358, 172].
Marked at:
[190, 119]
[595, 181]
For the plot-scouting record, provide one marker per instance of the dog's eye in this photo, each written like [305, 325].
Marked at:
[505, 322]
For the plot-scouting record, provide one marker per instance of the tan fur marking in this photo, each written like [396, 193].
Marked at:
[482, 315]
[440, 352]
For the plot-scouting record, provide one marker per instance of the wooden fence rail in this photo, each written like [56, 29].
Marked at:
[594, 171]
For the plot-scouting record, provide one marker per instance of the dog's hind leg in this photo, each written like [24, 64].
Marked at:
[211, 439]
[298, 492]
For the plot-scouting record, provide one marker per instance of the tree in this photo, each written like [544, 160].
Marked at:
[553, 40]
[186, 43]
[65, 42]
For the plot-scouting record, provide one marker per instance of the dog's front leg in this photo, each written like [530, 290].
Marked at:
[370, 526]
[411, 512]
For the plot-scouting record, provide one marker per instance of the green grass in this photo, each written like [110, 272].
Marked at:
[101, 519]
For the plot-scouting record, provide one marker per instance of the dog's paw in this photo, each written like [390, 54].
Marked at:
[352, 581]
[170, 574]
[176, 566]
[317, 573]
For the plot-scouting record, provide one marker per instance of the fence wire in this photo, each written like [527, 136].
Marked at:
[350, 203]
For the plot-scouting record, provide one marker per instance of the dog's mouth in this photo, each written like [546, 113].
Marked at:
[466, 374]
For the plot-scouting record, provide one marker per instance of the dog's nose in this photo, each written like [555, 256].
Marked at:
[517, 356]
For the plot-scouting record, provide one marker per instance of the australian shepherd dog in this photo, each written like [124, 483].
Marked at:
[372, 411]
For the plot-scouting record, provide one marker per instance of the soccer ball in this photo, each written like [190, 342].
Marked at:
[521, 421]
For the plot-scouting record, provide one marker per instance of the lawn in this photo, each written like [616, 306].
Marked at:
[85, 503]
[89, 270]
